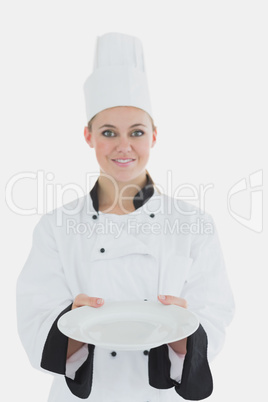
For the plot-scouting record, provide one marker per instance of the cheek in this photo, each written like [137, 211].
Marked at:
[102, 149]
[143, 148]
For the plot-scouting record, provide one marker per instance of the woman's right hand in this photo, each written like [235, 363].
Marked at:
[84, 300]
[80, 301]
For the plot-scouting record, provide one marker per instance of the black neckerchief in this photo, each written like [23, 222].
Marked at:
[139, 199]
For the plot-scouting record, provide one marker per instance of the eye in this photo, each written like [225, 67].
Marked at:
[108, 133]
[137, 133]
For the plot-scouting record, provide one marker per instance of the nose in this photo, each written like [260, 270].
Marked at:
[123, 145]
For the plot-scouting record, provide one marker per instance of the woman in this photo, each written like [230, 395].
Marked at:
[145, 259]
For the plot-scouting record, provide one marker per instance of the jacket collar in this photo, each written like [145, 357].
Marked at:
[139, 199]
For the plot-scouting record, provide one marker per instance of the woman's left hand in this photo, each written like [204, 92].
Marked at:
[178, 346]
[178, 301]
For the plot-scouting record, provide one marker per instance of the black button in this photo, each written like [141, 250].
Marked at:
[94, 217]
[145, 299]
[152, 215]
[102, 250]
[146, 352]
[113, 354]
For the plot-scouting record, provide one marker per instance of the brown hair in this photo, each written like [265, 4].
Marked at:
[89, 125]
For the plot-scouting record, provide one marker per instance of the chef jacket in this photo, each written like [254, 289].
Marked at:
[165, 246]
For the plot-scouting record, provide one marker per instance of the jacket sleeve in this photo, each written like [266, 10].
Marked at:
[209, 296]
[207, 289]
[43, 296]
[196, 380]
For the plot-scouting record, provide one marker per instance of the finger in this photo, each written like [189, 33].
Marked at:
[178, 301]
[85, 300]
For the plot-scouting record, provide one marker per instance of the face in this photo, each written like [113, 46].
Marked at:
[122, 137]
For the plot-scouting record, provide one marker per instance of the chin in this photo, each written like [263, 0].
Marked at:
[126, 177]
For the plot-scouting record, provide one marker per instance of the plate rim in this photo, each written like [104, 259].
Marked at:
[136, 346]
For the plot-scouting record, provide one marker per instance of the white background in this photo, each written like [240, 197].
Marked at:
[207, 66]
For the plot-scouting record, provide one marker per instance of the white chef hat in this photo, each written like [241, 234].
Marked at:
[119, 77]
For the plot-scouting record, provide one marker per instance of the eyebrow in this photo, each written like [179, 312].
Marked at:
[111, 126]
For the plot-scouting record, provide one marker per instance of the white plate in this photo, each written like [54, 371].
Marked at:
[128, 325]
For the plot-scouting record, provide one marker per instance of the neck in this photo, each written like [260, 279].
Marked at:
[114, 194]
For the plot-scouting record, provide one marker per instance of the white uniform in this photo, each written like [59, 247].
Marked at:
[165, 246]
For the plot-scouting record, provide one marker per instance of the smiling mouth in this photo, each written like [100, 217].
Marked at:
[123, 162]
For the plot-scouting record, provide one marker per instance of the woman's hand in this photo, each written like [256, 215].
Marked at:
[178, 301]
[84, 300]
[79, 301]
[178, 346]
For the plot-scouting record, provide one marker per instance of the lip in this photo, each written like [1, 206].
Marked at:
[123, 164]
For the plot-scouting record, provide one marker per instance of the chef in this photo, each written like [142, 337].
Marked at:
[154, 255]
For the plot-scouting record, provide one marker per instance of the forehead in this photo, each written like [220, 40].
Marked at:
[122, 115]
